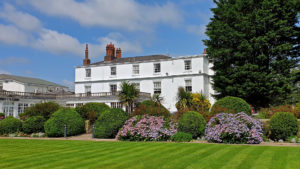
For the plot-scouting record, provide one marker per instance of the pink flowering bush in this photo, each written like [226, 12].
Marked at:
[234, 128]
[147, 128]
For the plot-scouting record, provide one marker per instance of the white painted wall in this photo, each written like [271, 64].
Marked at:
[13, 86]
[172, 76]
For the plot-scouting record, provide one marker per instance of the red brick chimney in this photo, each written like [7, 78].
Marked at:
[119, 53]
[110, 52]
[204, 52]
[86, 60]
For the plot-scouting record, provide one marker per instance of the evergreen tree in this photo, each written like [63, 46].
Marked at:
[254, 44]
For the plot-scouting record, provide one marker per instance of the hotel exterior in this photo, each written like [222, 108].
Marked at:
[154, 74]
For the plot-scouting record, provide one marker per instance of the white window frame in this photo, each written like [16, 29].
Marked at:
[187, 64]
[88, 72]
[157, 87]
[88, 89]
[135, 69]
[113, 71]
[188, 85]
[137, 85]
[113, 88]
[156, 69]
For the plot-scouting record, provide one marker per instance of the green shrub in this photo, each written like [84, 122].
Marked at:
[91, 111]
[10, 125]
[182, 137]
[283, 125]
[151, 108]
[41, 109]
[193, 123]
[34, 124]
[54, 127]
[232, 105]
[109, 123]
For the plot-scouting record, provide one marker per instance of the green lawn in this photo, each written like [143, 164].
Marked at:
[89, 154]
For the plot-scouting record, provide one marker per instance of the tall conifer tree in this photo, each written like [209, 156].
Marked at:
[254, 44]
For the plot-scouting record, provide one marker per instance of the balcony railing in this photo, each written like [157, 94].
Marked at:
[62, 96]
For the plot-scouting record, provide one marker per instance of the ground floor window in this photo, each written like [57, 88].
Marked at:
[116, 105]
[157, 87]
[22, 107]
[113, 88]
[8, 108]
[70, 105]
[188, 85]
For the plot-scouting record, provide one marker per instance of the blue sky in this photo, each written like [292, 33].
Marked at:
[46, 39]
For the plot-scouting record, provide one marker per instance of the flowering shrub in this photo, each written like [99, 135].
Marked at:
[147, 128]
[234, 128]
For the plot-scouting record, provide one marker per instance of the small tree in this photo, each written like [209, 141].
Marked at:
[128, 95]
[42, 109]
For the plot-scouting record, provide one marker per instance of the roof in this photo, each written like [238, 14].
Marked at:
[29, 80]
[135, 59]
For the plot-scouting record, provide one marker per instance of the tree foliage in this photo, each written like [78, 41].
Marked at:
[253, 45]
[128, 95]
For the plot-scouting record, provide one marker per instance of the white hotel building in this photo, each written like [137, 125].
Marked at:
[151, 74]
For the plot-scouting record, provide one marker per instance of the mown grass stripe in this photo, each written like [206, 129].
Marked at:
[265, 159]
[293, 158]
[251, 157]
[279, 159]
[63, 157]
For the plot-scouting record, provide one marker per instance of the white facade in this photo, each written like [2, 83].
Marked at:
[191, 72]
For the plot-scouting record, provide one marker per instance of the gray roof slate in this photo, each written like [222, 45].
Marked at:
[134, 59]
[29, 80]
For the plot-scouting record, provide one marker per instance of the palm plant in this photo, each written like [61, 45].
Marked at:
[128, 95]
[184, 99]
[157, 99]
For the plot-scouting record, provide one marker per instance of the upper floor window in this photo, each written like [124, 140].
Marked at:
[156, 67]
[188, 85]
[157, 87]
[113, 71]
[87, 72]
[187, 65]
[135, 69]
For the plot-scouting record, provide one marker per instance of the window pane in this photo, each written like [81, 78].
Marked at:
[156, 67]
[113, 71]
[113, 88]
[187, 65]
[135, 69]
[157, 87]
[188, 85]
[88, 72]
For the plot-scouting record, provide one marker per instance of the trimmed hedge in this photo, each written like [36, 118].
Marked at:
[109, 123]
[92, 111]
[151, 108]
[54, 127]
[283, 125]
[34, 124]
[230, 104]
[10, 125]
[41, 109]
[182, 137]
[193, 123]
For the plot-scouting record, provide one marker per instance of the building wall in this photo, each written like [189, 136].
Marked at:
[13, 86]
[172, 76]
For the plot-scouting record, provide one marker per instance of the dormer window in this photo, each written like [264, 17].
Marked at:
[87, 72]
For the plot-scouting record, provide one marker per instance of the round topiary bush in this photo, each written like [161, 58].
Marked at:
[147, 128]
[182, 137]
[151, 108]
[92, 111]
[34, 124]
[283, 125]
[109, 123]
[54, 127]
[232, 105]
[10, 125]
[193, 123]
[234, 128]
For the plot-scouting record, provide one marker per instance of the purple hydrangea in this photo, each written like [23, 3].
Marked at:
[234, 128]
[147, 128]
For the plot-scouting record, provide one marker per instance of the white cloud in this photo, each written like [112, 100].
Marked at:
[22, 20]
[69, 84]
[12, 35]
[52, 41]
[198, 30]
[125, 14]
[4, 72]
[13, 60]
